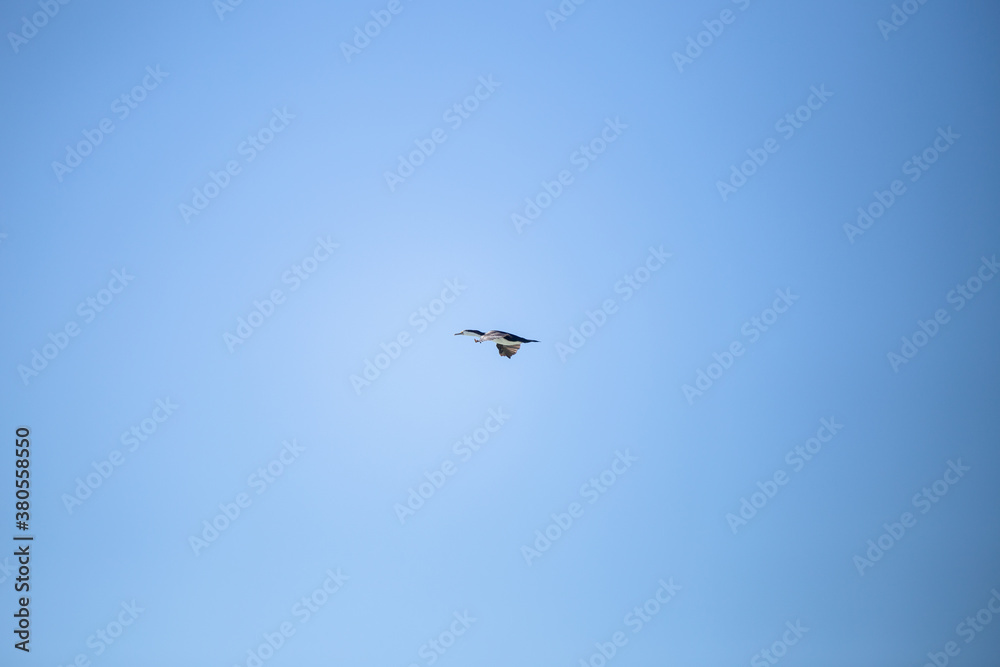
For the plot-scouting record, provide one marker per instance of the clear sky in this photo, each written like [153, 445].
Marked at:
[756, 242]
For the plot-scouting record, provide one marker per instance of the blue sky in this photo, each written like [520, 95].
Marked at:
[721, 451]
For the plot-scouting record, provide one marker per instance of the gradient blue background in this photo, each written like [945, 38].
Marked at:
[451, 221]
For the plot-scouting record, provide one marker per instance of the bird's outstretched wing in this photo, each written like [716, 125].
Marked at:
[508, 350]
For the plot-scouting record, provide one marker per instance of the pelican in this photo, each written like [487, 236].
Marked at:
[507, 344]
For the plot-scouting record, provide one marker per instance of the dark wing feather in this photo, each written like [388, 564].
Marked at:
[508, 350]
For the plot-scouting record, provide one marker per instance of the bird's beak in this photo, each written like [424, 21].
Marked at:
[459, 333]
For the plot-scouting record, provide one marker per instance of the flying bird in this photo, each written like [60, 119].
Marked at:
[507, 344]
